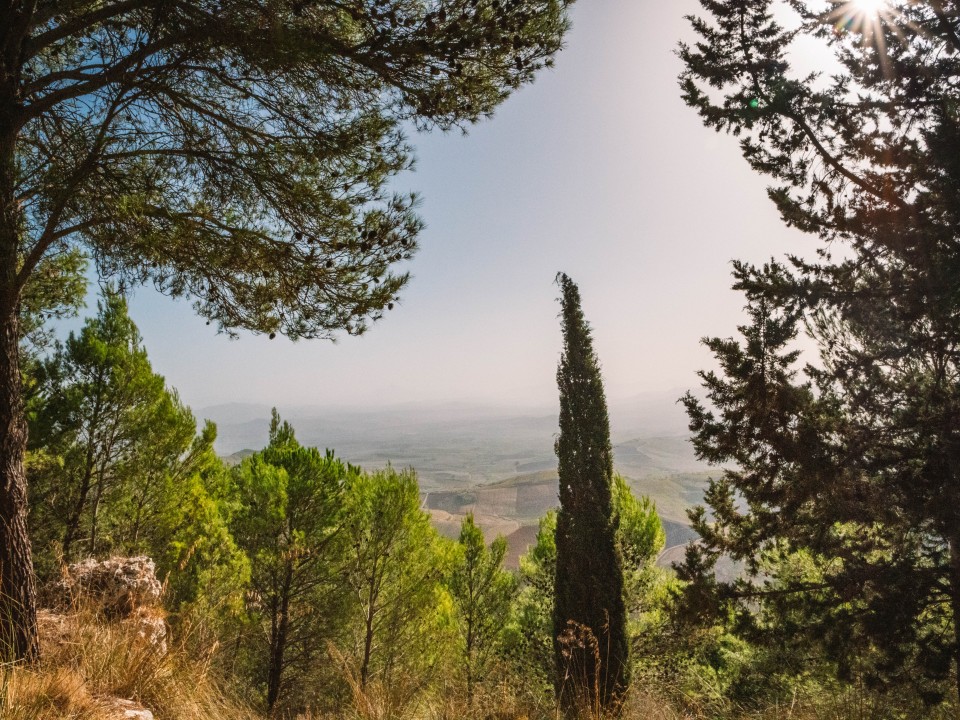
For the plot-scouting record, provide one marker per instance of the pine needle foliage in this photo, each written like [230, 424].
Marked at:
[234, 152]
[589, 575]
[855, 461]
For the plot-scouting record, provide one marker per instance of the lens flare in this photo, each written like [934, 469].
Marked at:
[869, 24]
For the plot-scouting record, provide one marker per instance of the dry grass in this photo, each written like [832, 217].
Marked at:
[493, 702]
[88, 661]
[501, 699]
[30, 695]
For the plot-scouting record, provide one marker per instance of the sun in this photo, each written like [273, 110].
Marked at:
[864, 17]
[868, 24]
[869, 7]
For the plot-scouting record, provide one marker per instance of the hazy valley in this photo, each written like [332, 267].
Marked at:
[496, 462]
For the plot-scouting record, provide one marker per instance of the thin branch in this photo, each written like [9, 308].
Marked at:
[836, 165]
[129, 70]
[82, 172]
[79, 24]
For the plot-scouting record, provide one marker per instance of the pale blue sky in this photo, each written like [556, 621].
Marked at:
[599, 170]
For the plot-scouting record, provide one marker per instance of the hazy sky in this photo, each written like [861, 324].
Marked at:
[597, 169]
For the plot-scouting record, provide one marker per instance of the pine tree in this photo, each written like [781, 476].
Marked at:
[482, 592]
[236, 152]
[394, 565]
[855, 461]
[119, 431]
[589, 616]
[290, 523]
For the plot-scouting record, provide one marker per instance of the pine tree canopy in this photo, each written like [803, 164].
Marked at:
[237, 151]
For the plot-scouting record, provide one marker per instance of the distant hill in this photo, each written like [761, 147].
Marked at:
[237, 457]
[498, 463]
[449, 446]
[452, 443]
[518, 542]
[513, 507]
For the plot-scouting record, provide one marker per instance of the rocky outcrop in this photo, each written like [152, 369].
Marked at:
[122, 589]
[151, 625]
[94, 599]
[119, 586]
[126, 710]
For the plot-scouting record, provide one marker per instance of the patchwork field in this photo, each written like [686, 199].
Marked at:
[497, 464]
[513, 507]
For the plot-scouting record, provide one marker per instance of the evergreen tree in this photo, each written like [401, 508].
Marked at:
[530, 640]
[120, 435]
[483, 592]
[185, 528]
[640, 538]
[56, 291]
[290, 523]
[855, 461]
[237, 152]
[117, 466]
[588, 589]
[394, 565]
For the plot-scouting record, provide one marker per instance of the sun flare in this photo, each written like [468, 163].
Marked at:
[869, 7]
[864, 17]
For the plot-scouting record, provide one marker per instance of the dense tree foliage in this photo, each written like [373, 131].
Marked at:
[588, 586]
[394, 567]
[640, 538]
[239, 152]
[482, 592]
[529, 637]
[56, 291]
[325, 586]
[853, 461]
[289, 522]
[116, 464]
[235, 152]
[117, 429]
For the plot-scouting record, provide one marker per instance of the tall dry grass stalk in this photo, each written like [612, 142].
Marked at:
[582, 667]
[398, 699]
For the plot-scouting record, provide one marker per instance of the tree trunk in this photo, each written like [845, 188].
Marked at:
[470, 658]
[94, 513]
[99, 489]
[73, 522]
[18, 610]
[278, 643]
[954, 543]
[368, 627]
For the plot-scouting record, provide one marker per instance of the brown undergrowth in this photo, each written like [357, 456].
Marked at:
[89, 662]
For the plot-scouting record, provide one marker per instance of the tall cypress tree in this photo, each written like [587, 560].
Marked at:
[592, 667]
